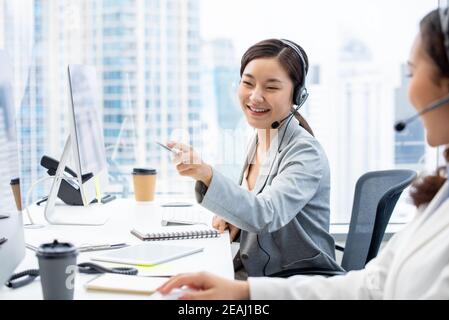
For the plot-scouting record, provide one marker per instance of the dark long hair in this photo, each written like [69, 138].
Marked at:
[433, 41]
[424, 189]
[289, 60]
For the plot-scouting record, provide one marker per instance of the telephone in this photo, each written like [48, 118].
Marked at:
[69, 191]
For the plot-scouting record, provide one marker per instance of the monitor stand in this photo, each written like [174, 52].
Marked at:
[91, 215]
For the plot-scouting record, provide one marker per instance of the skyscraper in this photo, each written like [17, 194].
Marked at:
[2, 24]
[221, 77]
[350, 109]
[148, 56]
[43, 37]
[225, 79]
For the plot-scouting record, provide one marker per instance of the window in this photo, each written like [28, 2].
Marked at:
[177, 72]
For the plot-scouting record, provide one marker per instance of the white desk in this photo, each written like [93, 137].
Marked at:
[125, 214]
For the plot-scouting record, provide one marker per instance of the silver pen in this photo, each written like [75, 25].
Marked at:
[89, 248]
[102, 247]
[31, 247]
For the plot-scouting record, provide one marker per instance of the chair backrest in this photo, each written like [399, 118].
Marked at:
[375, 197]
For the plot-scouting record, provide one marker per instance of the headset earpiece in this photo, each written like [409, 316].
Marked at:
[300, 93]
[300, 97]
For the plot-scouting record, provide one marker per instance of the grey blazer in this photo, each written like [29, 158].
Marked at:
[284, 220]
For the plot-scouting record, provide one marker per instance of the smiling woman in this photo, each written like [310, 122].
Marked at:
[265, 99]
[270, 80]
[280, 205]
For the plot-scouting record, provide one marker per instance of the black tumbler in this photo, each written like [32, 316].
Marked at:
[57, 269]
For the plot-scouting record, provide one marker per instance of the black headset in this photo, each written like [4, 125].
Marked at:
[300, 93]
[444, 21]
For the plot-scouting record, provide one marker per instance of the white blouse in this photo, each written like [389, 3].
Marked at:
[413, 265]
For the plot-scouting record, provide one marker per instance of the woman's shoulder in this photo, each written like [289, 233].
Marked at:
[302, 141]
[304, 149]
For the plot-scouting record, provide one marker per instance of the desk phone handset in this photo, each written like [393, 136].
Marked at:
[69, 191]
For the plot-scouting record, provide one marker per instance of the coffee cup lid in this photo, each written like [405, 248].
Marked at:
[144, 171]
[56, 250]
[15, 181]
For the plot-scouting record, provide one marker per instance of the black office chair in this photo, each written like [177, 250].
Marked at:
[375, 197]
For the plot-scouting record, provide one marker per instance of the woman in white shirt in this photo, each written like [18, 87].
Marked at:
[415, 262]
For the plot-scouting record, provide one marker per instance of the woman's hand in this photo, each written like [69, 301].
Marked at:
[207, 286]
[188, 163]
[221, 225]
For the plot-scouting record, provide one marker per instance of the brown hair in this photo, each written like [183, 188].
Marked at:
[286, 55]
[289, 60]
[433, 41]
[423, 189]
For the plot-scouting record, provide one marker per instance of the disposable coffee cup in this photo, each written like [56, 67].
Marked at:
[15, 186]
[144, 181]
[57, 269]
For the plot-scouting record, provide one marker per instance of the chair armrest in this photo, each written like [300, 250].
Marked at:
[339, 248]
[307, 272]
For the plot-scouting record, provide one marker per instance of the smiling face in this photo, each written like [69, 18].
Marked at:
[265, 92]
[427, 86]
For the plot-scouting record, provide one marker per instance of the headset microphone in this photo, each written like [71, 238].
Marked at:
[400, 125]
[276, 124]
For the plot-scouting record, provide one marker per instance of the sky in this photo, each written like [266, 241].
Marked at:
[388, 27]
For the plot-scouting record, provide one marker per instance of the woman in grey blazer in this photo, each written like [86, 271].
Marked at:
[281, 204]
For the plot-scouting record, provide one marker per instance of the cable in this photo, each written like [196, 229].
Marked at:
[269, 257]
[29, 275]
[257, 236]
[286, 126]
[93, 268]
[24, 278]
[33, 225]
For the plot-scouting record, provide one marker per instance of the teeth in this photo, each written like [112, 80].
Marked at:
[257, 110]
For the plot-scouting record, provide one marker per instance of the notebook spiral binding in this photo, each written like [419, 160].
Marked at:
[194, 234]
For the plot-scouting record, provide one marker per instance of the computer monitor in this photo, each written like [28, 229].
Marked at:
[86, 144]
[12, 245]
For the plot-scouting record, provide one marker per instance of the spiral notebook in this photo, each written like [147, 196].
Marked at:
[176, 235]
